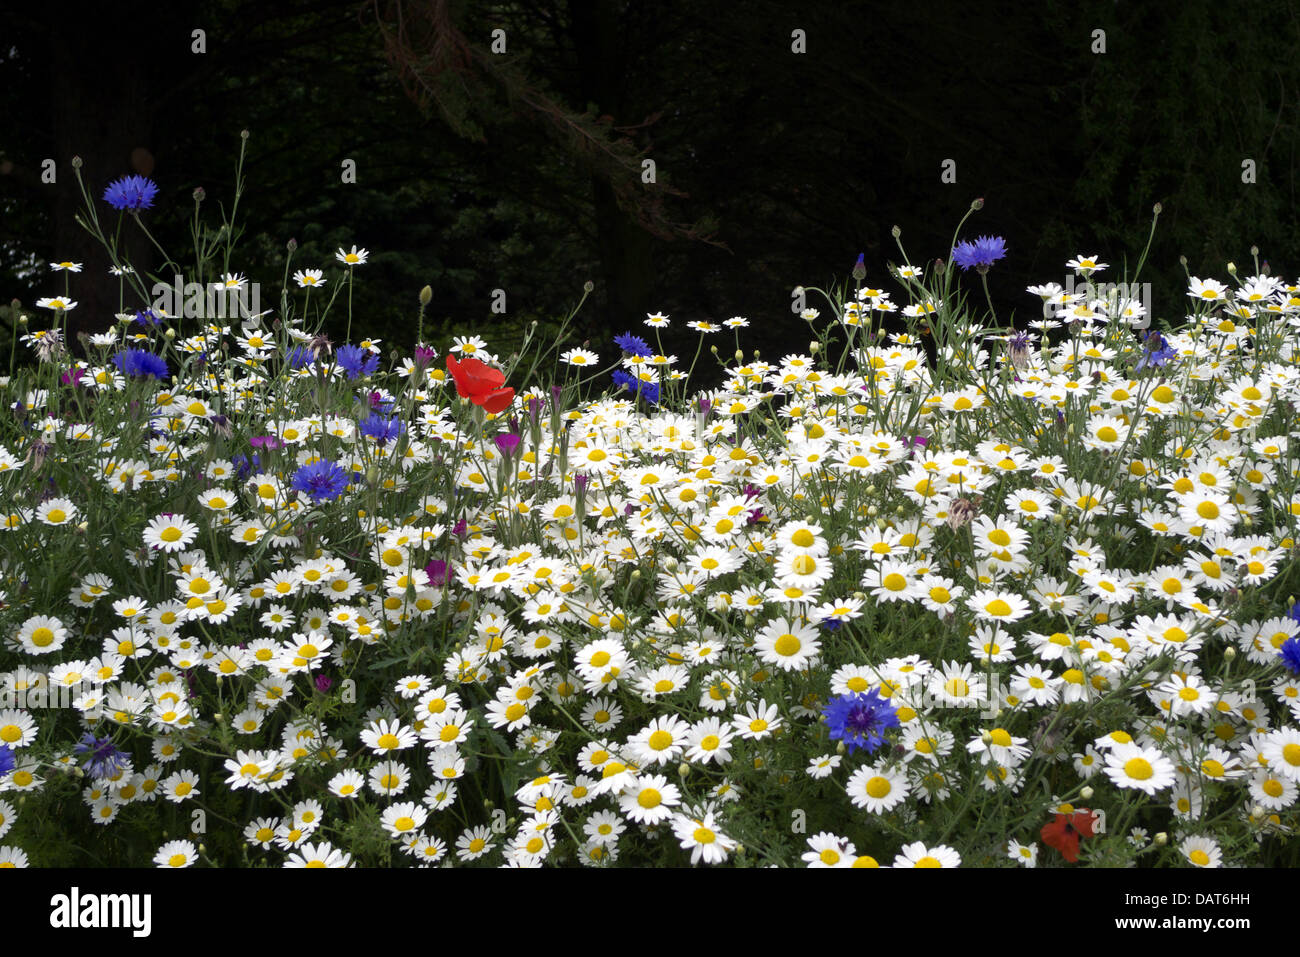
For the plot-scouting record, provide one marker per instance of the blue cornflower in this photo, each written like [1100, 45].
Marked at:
[860, 720]
[381, 429]
[1157, 352]
[321, 480]
[1290, 655]
[356, 361]
[982, 253]
[1294, 613]
[831, 624]
[7, 761]
[131, 193]
[299, 357]
[243, 467]
[647, 390]
[103, 760]
[632, 344]
[138, 362]
[147, 318]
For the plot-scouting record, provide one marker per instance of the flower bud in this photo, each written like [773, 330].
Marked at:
[1162, 839]
[683, 769]
[1086, 793]
[814, 348]
[588, 286]
[1158, 208]
[1232, 269]
[426, 295]
[169, 334]
[896, 232]
[740, 354]
[977, 204]
[76, 162]
[1229, 652]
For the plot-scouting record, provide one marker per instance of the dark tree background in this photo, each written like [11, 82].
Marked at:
[521, 170]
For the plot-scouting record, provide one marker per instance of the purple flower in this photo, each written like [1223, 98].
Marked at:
[860, 720]
[424, 355]
[147, 318]
[507, 442]
[860, 267]
[6, 760]
[375, 402]
[438, 571]
[138, 362]
[357, 362]
[103, 760]
[982, 253]
[131, 193]
[323, 684]
[265, 442]
[321, 480]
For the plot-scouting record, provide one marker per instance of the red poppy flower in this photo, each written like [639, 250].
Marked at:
[480, 383]
[1064, 833]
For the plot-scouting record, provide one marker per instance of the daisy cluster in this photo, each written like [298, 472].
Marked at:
[615, 634]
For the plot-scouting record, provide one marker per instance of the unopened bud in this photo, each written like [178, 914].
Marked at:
[199, 194]
[243, 134]
[1229, 652]
[588, 286]
[896, 232]
[1086, 793]
[76, 162]
[814, 348]
[292, 245]
[1232, 269]
[740, 354]
[1158, 208]
[1162, 839]
[426, 295]
[683, 769]
[169, 334]
[1257, 813]
[977, 204]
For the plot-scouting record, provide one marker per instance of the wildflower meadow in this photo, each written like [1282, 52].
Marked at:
[934, 588]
